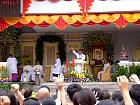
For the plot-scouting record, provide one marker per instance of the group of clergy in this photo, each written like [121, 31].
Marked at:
[30, 71]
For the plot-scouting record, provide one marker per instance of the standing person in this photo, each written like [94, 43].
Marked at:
[12, 66]
[80, 57]
[57, 70]
[79, 54]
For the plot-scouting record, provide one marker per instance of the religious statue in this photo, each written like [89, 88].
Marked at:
[123, 55]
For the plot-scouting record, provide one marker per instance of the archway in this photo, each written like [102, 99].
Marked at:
[99, 40]
[50, 39]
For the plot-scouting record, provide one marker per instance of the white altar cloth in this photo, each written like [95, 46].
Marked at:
[127, 63]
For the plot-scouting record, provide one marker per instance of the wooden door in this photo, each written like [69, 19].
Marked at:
[50, 50]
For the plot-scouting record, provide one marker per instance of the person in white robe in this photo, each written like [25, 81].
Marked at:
[106, 64]
[12, 67]
[79, 55]
[37, 69]
[57, 70]
[27, 72]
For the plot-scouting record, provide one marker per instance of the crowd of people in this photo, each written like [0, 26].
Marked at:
[77, 94]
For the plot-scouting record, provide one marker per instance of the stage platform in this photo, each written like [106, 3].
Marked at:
[110, 86]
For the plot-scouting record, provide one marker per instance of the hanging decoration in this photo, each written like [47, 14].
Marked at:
[106, 39]
[85, 6]
[50, 39]
[26, 4]
[121, 22]
[62, 21]
[3, 25]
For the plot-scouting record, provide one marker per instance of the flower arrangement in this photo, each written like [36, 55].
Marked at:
[78, 77]
[4, 73]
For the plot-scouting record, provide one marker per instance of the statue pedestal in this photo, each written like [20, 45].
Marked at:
[79, 65]
[37, 79]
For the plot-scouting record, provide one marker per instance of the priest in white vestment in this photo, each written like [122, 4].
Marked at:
[79, 54]
[37, 69]
[80, 57]
[27, 72]
[106, 64]
[12, 67]
[57, 68]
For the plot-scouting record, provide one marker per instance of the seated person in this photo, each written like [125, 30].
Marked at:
[106, 64]
[27, 72]
[37, 69]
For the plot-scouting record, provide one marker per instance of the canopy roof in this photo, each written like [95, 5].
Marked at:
[61, 21]
[74, 6]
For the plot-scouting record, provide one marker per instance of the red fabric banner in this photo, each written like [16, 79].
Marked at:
[26, 4]
[3, 25]
[60, 23]
[85, 6]
[121, 22]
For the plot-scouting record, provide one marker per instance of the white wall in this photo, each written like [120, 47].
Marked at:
[64, 7]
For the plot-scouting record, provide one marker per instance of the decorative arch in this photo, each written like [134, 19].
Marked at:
[50, 39]
[106, 39]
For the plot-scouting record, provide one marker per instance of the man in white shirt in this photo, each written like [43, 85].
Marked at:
[27, 72]
[37, 68]
[79, 54]
[12, 66]
[57, 70]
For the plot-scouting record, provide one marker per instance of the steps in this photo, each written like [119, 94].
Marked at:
[110, 86]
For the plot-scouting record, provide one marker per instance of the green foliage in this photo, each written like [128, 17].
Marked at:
[7, 86]
[134, 69]
[11, 36]
[24, 59]
[128, 71]
[89, 76]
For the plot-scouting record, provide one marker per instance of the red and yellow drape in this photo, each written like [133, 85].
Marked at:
[62, 21]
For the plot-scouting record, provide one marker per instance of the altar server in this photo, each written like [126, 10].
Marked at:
[27, 72]
[37, 69]
[12, 67]
[79, 54]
